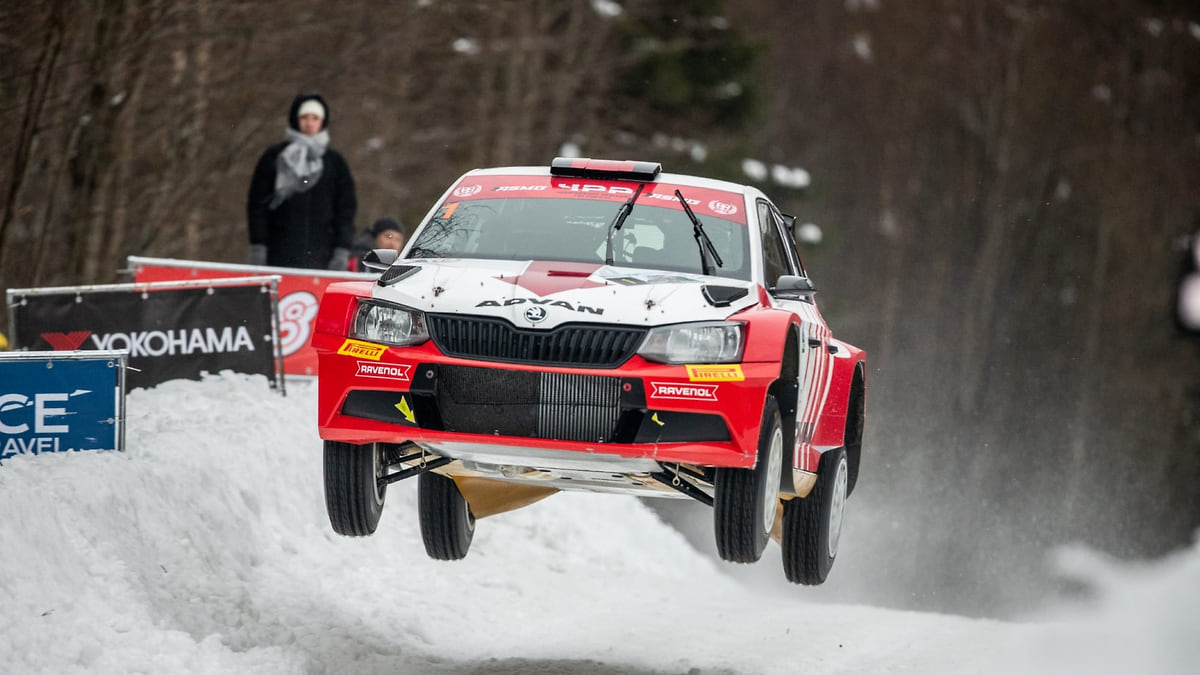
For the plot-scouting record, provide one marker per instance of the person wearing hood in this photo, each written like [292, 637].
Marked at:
[301, 206]
[384, 233]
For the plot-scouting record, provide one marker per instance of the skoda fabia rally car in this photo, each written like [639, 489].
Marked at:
[593, 325]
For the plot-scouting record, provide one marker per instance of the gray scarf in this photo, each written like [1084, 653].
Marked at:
[299, 166]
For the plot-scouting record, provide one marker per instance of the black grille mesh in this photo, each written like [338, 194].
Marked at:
[579, 345]
[537, 405]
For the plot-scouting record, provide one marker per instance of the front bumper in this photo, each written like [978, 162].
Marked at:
[626, 420]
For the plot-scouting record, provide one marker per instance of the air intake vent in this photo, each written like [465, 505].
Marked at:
[396, 273]
[523, 403]
[579, 345]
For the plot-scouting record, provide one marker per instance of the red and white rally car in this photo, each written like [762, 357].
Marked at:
[593, 325]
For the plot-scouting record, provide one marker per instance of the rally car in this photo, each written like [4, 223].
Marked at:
[593, 325]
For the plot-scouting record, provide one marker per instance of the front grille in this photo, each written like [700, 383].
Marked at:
[579, 345]
[556, 406]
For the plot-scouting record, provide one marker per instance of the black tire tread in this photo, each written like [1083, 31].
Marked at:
[735, 518]
[349, 499]
[444, 517]
[736, 512]
[804, 528]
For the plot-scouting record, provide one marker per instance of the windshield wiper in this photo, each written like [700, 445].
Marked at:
[617, 222]
[702, 239]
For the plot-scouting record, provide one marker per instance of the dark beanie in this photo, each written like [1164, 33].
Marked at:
[386, 224]
[294, 111]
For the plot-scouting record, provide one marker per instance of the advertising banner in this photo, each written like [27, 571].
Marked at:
[170, 330]
[61, 401]
[300, 292]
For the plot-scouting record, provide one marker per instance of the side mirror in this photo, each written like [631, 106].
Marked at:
[790, 221]
[379, 259]
[792, 287]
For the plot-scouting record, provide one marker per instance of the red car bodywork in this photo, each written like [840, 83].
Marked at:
[733, 392]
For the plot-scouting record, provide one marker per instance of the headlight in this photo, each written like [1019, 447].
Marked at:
[707, 342]
[388, 324]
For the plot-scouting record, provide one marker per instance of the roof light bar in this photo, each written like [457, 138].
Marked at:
[581, 167]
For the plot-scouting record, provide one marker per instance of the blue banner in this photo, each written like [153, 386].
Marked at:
[59, 402]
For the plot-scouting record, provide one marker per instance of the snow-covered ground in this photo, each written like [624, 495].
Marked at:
[205, 548]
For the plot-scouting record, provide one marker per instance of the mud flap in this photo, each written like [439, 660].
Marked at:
[777, 528]
[488, 497]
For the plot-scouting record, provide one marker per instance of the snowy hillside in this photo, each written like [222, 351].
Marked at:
[205, 548]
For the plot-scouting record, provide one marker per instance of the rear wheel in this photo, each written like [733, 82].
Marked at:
[744, 503]
[812, 526]
[447, 524]
[354, 491]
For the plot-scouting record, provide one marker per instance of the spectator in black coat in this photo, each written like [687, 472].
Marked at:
[301, 205]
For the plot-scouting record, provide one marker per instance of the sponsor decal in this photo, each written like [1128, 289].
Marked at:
[43, 410]
[19, 410]
[66, 342]
[181, 341]
[406, 410]
[60, 404]
[691, 392]
[622, 191]
[519, 188]
[296, 312]
[384, 371]
[651, 278]
[542, 301]
[722, 208]
[583, 187]
[713, 201]
[670, 197]
[715, 373]
[365, 350]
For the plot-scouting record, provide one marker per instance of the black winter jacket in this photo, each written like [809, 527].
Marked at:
[305, 228]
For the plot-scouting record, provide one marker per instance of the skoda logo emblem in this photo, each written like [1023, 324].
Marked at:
[535, 314]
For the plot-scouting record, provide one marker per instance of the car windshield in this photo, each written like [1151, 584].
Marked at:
[575, 230]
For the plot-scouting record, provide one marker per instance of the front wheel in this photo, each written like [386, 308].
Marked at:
[354, 489]
[744, 500]
[447, 524]
[812, 526]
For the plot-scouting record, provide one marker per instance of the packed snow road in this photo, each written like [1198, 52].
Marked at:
[205, 548]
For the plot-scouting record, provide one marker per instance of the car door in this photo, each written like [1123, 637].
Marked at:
[815, 368]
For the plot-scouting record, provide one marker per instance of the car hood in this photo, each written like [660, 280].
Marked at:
[545, 294]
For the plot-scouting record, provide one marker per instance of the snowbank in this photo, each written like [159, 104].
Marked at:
[205, 548]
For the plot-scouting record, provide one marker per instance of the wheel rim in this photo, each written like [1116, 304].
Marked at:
[837, 506]
[377, 455]
[771, 488]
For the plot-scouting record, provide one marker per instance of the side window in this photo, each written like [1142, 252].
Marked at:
[775, 258]
[789, 243]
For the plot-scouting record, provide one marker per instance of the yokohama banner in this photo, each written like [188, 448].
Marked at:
[61, 401]
[169, 330]
[300, 292]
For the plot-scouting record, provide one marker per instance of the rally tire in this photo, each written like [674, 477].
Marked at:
[354, 493]
[447, 524]
[812, 526]
[744, 500]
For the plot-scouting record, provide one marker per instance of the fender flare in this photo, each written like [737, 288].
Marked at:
[849, 372]
[775, 336]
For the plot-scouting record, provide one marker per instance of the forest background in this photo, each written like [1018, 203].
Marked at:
[1005, 188]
